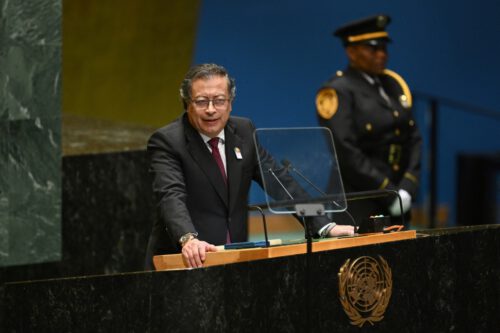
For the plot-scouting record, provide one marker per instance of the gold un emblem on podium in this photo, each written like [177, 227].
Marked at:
[365, 287]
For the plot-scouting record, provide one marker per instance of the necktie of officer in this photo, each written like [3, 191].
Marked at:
[214, 144]
[381, 90]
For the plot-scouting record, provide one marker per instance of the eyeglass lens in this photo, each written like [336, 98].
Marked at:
[204, 103]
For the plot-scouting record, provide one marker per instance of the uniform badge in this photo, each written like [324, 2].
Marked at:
[327, 103]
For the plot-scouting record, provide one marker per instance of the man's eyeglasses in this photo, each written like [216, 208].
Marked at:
[204, 103]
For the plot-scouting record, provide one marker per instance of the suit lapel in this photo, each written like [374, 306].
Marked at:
[234, 165]
[201, 155]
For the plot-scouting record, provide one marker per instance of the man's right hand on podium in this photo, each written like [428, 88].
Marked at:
[194, 252]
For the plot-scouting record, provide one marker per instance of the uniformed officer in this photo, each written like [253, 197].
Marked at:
[368, 109]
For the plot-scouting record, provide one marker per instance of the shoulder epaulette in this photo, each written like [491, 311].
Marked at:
[406, 98]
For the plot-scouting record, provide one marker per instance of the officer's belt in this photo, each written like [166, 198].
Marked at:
[394, 154]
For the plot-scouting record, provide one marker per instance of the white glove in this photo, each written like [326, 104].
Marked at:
[394, 208]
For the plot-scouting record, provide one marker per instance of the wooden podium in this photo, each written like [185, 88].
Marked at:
[175, 261]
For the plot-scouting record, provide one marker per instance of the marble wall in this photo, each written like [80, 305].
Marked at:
[30, 131]
[108, 210]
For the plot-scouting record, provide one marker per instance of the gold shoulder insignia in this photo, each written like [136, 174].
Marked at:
[405, 99]
[327, 102]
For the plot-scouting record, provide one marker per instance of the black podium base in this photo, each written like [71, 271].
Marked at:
[447, 281]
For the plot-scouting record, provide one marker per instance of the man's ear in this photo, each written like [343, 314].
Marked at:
[351, 53]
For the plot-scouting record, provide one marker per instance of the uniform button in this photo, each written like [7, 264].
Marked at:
[368, 127]
[395, 113]
[411, 123]
[397, 132]
[395, 167]
[339, 73]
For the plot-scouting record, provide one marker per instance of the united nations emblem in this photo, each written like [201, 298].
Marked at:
[365, 288]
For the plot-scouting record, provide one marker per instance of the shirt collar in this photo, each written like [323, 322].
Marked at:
[221, 136]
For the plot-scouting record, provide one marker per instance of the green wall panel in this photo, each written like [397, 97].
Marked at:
[30, 126]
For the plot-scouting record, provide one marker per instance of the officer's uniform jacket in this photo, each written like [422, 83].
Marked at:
[377, 141]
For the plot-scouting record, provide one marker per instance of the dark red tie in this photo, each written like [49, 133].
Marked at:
[214, 144]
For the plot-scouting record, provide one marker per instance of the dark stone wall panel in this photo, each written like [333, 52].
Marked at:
[34, 209]
[107, 212]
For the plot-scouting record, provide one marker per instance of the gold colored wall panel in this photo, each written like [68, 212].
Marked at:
[123, 60]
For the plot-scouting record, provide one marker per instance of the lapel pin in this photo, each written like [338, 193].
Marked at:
[237, 152]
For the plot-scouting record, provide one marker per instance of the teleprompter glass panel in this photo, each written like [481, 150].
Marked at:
[299, 167]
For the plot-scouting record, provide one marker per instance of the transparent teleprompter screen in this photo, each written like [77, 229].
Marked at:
[299, 167]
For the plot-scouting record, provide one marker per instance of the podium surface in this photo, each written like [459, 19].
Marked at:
[175, 261]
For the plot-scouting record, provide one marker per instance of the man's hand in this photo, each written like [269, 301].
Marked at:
[194, 252]
[341, 230]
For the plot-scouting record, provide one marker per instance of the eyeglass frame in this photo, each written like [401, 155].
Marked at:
[210, 100]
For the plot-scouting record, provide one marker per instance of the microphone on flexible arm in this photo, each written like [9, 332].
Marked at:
[288, 166]
[279, 182]
[306, 225]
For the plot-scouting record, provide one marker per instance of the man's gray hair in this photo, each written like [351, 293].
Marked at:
[204, 71]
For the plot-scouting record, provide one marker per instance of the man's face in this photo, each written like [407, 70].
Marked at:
[367, 58]
[209, 119]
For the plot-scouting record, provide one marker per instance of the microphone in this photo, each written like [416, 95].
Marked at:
[304, 221]
[279, 182]
[288, 165]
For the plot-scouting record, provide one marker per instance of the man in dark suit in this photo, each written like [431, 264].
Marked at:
[202, 165]
[368, 109]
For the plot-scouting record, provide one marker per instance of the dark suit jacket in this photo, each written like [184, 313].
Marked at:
[190, 191]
